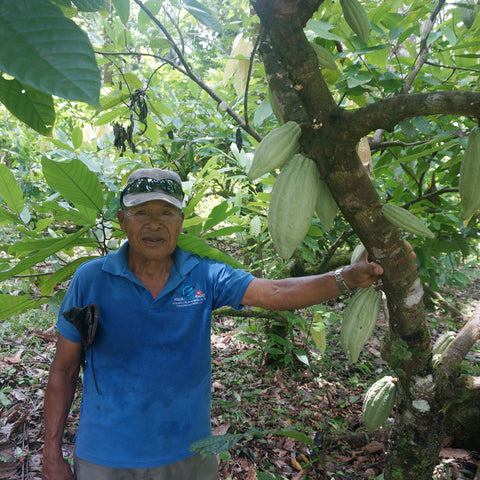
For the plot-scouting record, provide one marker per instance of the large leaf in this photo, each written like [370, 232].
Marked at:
[47, 286]
[11, 305]
[31, 106]
[47, 51]
[199, 247]
[75, 182]
[10, 190]
[59, 244]
[89, 5]
[203, 14]
[123, 9]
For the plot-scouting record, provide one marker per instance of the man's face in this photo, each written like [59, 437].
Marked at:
[152, 229]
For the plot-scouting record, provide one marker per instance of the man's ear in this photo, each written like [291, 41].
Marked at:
[121, 219]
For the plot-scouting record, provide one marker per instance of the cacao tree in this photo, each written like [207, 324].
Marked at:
[330, 134]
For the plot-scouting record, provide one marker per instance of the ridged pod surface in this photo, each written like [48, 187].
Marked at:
[326, 207]
[324, 57]
[359, 320]
[405, 220]
[441, 344]
[276, 149]
[470, 176]
[357, 19]
[292, 203]
[378, 402]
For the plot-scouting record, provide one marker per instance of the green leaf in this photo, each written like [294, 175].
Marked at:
[10, 190]
[199, 247]
[47, 286]
[7, 217]
[11, 305]
[154, 7]
[77, 137]
[59, 244]
[224, 232]
[89, 5]
[31, 106]
[75, 182]
[215, 444]
[123, 9]
[47, 51]
[203, 14]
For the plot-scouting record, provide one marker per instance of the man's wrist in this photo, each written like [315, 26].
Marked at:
[340, 280]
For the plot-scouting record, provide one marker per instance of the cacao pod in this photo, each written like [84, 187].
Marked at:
[326, 207]
[378, 402]
[324, 57]
[357, 251]
[357, 19]
[292, 203]
[359, 320]
[468, 14]
[275, 149]
[275, 108]
[441, 344]
[405, 220]
[470, 176]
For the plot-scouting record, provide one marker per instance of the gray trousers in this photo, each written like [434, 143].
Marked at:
[192, 468]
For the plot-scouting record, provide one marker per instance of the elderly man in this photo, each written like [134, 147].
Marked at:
[146, 384]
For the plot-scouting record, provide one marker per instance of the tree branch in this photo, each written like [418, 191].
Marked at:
[386, 114]
[461, 345]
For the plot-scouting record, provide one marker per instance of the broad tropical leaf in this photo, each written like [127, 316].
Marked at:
[47, 51]
[123, 9]
[199, 247]
[59, 244]
[75, 182]
[31, 106]
[10, 190]
[203, 14]
[11, 305]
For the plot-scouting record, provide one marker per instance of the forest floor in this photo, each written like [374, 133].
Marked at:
[298, 421]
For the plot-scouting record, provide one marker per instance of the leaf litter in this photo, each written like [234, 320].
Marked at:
[323, 403]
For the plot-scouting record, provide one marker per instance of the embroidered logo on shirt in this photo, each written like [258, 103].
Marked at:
[190, 295]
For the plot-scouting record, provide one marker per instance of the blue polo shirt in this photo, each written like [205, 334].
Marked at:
[151, 358]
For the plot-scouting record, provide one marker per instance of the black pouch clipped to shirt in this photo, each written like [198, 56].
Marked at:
[85, 320]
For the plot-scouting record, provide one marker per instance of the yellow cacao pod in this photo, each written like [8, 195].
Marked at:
[359, 320]
[326, 207]
[470, 176]
[292, 202]
[405, 220]
[378, 402]
[275, 149]
[357, 19]
[324, 57]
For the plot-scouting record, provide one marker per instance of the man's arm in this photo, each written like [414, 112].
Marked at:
[61, 386]
[301, 292]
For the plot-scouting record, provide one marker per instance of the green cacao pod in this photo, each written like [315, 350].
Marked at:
[470, 176]
[357, 19]
[468, 14]
[292, 202]
[378, 402]
[405, 220]
[324, 57]
[275, 149]
[441, 344]
[359, 320]
[326, 207]
[357, 251]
